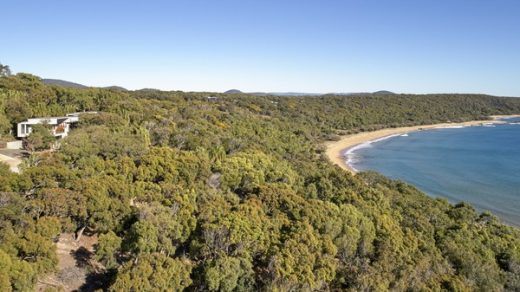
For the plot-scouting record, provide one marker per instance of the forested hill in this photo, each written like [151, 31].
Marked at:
[233, 193]
[63, 83]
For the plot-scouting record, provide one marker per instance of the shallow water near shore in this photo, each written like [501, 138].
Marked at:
[479, 165]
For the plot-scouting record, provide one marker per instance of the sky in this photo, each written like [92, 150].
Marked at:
[405, 46]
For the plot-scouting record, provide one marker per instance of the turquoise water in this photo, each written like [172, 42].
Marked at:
[479, 165]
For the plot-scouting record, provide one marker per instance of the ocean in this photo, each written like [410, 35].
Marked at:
[479, 165]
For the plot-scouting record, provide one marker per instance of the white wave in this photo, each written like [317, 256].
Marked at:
[383, 138]
[451, 127]
[352, 158]
[353, 168]
[404, 135]
[514, 123]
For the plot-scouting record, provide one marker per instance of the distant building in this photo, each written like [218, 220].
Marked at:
[60, 126]
[212, 98]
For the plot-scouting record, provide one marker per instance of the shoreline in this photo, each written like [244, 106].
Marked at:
[336, 150]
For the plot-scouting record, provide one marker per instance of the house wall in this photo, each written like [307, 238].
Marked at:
[14, 145]
[25, 127]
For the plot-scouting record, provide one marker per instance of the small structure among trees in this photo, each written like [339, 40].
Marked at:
[59, 126]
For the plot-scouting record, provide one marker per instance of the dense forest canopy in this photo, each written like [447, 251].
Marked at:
[233, 193]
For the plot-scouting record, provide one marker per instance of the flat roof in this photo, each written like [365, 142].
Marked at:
[49, 118]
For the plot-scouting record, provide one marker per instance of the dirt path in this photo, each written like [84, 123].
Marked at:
[13, 162]
[74, 260]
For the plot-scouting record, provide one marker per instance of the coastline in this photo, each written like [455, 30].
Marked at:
[335, 150]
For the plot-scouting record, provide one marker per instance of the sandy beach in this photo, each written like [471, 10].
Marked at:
[335, 150]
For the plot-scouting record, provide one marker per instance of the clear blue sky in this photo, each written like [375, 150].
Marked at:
[414, 46]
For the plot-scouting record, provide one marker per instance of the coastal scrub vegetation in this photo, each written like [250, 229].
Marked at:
[234, 193]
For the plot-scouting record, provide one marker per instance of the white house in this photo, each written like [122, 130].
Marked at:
[60, 126]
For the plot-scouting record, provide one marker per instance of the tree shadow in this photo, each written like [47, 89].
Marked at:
[97, 281]
[82, 257]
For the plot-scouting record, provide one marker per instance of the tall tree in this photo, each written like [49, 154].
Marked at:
[5, 70]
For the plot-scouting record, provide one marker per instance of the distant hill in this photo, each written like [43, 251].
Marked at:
[116, 88]
[296, 93]
[383, 92]
[285, 93]
[233, 91]
[376, 93]
[70, 84]
[63, 83]
[148, 90]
